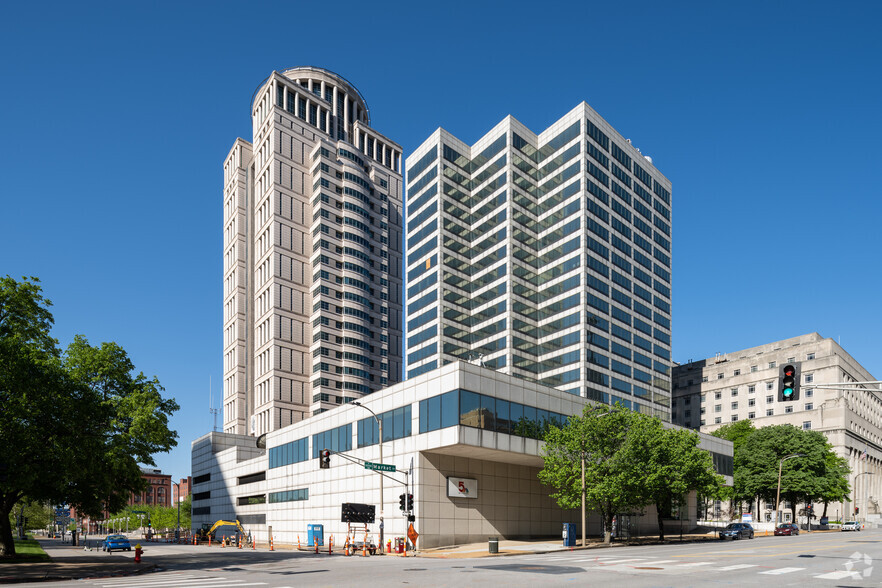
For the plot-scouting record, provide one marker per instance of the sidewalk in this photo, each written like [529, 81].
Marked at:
[70, 563]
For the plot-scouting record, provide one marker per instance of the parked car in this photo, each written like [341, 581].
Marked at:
[851, 526]
[118, 542]
[737, 531]
[787, 529]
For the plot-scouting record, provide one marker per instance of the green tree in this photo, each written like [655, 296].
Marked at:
[814, 475]
[737, 433]
[674, 466]
[37, 515]
[73, 425]
[608, 443]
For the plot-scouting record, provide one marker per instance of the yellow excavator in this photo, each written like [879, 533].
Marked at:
[206, 531]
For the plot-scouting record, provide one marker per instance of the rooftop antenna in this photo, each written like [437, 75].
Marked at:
[211, 409]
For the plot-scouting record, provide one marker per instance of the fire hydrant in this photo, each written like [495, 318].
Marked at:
[138, 552]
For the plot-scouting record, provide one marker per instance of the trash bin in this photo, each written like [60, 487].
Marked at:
[494, 545]
[315, 535]
[399, 543]
[569, 535]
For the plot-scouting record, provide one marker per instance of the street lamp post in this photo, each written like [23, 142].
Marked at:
[778, 497]
[866, 488]
[382, 475]
[583, 485]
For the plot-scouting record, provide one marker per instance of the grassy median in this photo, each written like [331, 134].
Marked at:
[26, 550]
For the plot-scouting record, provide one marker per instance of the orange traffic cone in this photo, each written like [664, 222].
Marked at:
[298, 542]
[271, 543]
[224, 541]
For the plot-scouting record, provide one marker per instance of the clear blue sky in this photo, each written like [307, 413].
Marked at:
[116, 118]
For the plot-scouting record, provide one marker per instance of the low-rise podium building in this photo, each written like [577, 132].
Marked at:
[450, 433]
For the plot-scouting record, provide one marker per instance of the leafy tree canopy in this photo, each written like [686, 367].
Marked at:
[73, 425]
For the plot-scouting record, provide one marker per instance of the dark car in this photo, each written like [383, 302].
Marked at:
[118, 542]
[787, 529]
[737, 531]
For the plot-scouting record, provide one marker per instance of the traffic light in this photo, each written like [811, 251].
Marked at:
[401, 501]
[325, 459]
[410, 502]
[788, 383]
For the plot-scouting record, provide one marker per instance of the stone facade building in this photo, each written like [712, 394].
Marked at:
[312, 254]
[744, 385]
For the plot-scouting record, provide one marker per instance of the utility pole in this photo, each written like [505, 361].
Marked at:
[778, 497]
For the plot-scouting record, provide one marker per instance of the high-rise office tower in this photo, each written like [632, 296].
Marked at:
[544, 256]
[312, 254]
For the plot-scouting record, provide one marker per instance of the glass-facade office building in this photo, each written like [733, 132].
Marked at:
[545, 256]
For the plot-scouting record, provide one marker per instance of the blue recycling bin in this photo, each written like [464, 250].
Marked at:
[569, 534]
[315, 535]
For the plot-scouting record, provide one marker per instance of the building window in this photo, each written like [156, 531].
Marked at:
[809, 378]
[751, 402]
[734, 417]
[704, 378]
[702, 422]
[718, 395]
[809, 405]
[734, 406]
[770, 385]
[688, 400]
[809, 392]
[772, 365]
[720, 376]
[734, 391]
[770, 399]
[751, 415]
[718, 420]
[688, 413]
[751, 389]
[770, 411]
[806, 425]
[702, 410]
[788, 409]
[752, 369]
[809, 356]
[718, 408]
[736, 373]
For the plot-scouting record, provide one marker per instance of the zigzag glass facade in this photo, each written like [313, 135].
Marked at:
[544, 256]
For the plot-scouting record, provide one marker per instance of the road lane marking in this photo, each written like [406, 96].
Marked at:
[780, 571]
[840, 575]
[616, 562]
[152, 583]
[736, 567]
[656, 563]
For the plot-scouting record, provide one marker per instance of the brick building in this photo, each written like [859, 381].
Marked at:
[182, 490]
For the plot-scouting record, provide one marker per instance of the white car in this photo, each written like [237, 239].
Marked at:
[851, 526]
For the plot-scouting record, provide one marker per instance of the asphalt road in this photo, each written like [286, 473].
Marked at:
[818, 559]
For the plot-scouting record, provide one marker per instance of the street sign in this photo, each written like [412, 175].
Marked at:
[379, 467]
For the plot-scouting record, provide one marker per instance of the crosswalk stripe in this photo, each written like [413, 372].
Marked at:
[194, 583]
[840, 575]
[736, 567]
[694, 564]
[780, 571]
[142, 581]
[619, 561]
[159, 575]
[657, 563]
